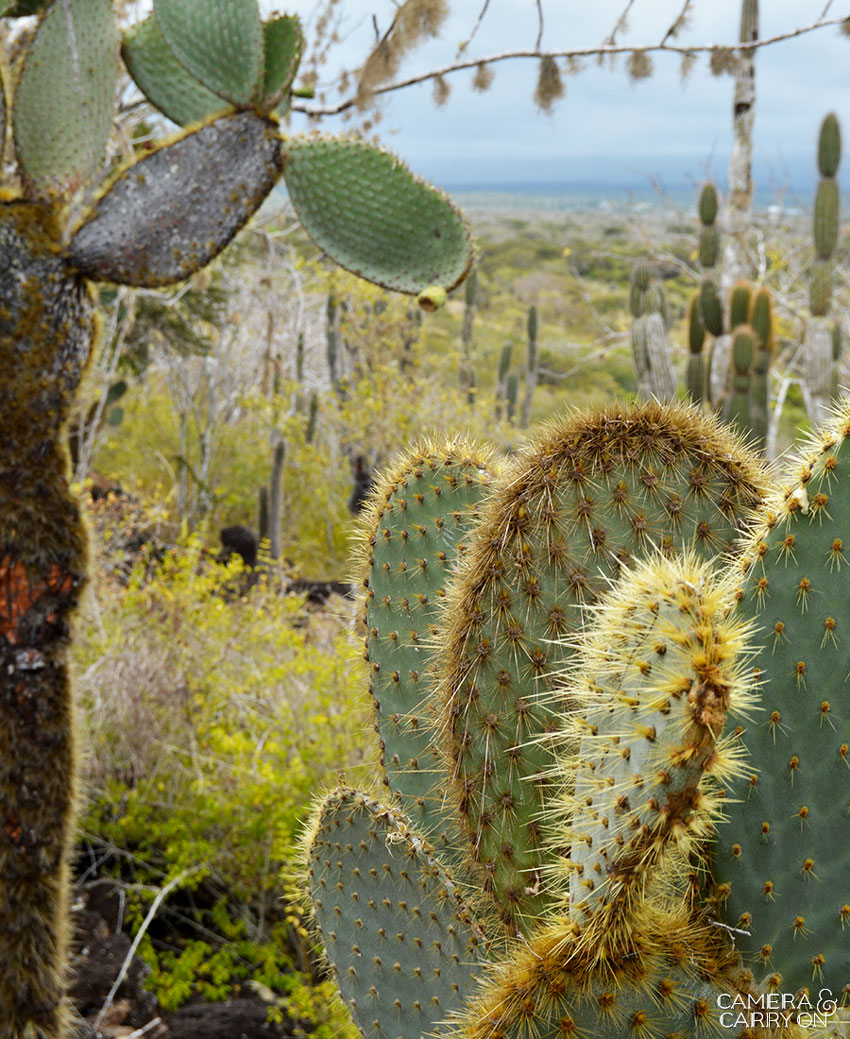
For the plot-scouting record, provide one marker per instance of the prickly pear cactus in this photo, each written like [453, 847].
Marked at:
[413, 534]
[642, 756]
[587, 497]
[664, 981]
[402, 945]
[781, 861]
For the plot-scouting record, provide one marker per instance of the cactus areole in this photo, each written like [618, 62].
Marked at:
[154, 223]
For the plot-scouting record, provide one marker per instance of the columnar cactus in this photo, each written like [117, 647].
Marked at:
[820, 367]
[651, 791]
[651, 347]
[152, 224]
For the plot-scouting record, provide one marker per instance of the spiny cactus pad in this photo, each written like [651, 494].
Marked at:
[368, 212]
[172, 211]
[649, 690]
[65, 96]
[220, 42]
[284, 42]
[414, 530]
[664, 982]
[592, 493]
[782, 861]
[163, 80]
[402, 946]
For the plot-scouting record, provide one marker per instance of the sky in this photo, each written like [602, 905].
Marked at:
[606, 128]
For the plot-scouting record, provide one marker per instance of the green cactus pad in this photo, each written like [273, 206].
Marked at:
[402, 946]
[696, 328]
[660, 667]
[708, 205]
[709, 246]
[284, 43]
[827, 205]
[829, 146]
[664, 981]
[413, 532]
[65, 97]
[711, 308]
[220, 42]
[739, 304]
[175, 209]
[163, 80]
[761, 319]
[365, 209]
[782, 860]
[592, 493]
[743, 349]
[820, 288]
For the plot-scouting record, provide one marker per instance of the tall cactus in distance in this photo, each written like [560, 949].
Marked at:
[530, 369]
[470, 304]
[819, 364]
[651, 349]
[153, 223]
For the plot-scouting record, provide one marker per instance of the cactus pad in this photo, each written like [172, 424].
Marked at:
[365, 209]
[827, 205]
[65, 96]
[711, 308]
[220, 42]
[820, 288]
[284, 43]
[174, 210]
[649, 690]
[709, 246]
[402, 945]
[591, 494]
[163, 80]
[708, 205]
[783, 858]
[414, 531]
[829, 146]
[664, 982]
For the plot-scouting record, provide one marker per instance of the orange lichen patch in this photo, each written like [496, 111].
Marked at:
[18, 593]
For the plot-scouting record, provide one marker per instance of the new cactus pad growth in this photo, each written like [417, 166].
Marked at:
[661, 667]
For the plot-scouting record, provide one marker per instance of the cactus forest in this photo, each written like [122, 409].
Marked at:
[404, 632]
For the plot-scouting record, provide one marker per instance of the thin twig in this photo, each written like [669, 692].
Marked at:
[580, 52]
[539, 24]
[139, 1032]
[128, 959]
[620, 25]
[679, 20]
[475, 27]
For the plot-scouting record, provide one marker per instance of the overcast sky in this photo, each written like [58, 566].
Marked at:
[607, 127]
